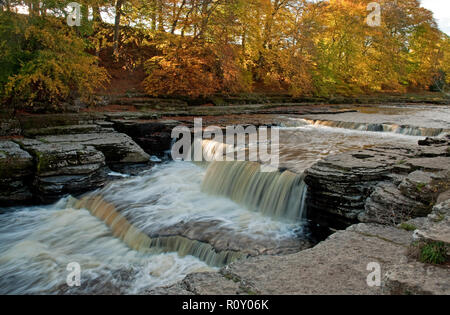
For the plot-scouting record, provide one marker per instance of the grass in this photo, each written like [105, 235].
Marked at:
[408, 227]
[420, 186]
[429, 252]
[433, 253]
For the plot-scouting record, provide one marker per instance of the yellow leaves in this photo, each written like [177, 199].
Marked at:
[193, 68]
[55, 69]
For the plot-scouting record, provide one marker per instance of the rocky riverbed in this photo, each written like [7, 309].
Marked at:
[383, 199]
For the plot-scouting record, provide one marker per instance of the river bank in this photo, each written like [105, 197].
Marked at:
[362, 179]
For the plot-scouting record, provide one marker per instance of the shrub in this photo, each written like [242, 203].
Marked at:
[47, 63]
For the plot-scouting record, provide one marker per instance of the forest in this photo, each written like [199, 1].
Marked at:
[200, 48]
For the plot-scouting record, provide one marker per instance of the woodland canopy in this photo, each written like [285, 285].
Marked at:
[200, 48]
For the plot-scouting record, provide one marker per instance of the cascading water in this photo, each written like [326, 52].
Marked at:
[38, 243]
[276, 194]
[154, 229]
[418, 120]
[139, 241]
[166, 211]
[376, 127]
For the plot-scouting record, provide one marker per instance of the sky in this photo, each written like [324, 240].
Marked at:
[441, 10]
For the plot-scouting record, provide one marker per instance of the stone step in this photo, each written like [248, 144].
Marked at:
[65, 130]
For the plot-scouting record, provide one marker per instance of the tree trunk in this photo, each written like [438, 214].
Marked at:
[160, 16]
[96, 14]
[117, 26]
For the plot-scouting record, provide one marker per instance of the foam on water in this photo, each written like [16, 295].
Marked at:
[38, 243]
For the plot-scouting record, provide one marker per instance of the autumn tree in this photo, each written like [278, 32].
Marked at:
[44, 61]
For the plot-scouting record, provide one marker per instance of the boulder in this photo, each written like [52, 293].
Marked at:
[437, 226]
[65, 168]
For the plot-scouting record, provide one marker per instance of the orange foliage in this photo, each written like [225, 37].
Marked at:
[193, 67]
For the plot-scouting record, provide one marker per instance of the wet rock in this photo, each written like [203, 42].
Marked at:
[16, 169]
[131, 169]
[223, 239]
[155, 137]
[50, 189]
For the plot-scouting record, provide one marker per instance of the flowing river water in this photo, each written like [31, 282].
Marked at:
[148, 231]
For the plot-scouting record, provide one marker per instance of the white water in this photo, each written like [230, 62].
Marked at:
[37, 243]
[172, 193]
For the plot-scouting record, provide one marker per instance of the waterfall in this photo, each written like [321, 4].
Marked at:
[374, 127]
[212, 150]
[276, 194]
[139, 241]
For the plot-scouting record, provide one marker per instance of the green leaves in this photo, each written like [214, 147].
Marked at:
[47, 62]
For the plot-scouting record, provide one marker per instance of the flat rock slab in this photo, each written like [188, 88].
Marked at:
[437, 226]
[421, 117]
[65, 130]
[418, 279]
[73, 164]
[335, 266]
[54, 159]
[117, 147]
[202, 284]
[441, 163]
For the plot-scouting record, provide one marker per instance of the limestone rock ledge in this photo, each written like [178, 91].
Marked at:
[16, 169]
[386, 185]
[339, 265]
[48, 167]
